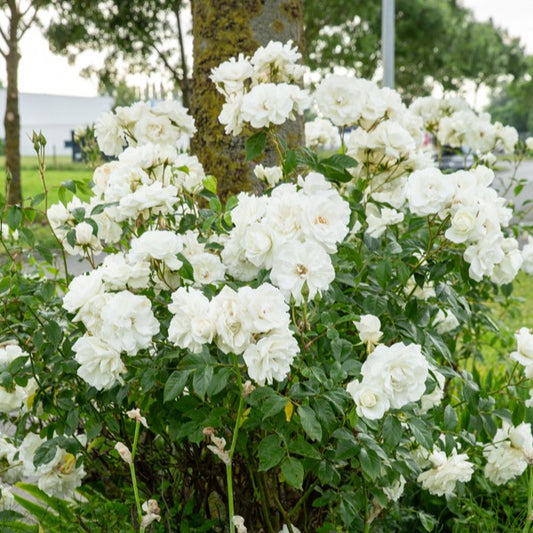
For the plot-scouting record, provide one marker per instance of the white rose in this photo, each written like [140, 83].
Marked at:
[524, 352]
[399, 370]
[160, 245]
[429, 191]
[369, 328]
[371, 400]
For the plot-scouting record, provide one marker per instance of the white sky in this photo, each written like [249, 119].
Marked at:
[43, 72]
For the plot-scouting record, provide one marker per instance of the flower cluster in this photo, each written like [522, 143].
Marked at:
[392, 377]
[509, 453]
[456, 125]
[291, 233]
[261, 90]
[252, 322]
[14, 397]
[166, 123]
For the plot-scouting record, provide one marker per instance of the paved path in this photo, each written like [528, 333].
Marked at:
[502, 183]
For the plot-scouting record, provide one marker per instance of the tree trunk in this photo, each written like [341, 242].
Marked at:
[222, 29]
[12, 117]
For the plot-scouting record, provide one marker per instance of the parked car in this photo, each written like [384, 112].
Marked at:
[455, 158]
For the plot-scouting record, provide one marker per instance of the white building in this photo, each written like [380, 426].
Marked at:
[55, 116]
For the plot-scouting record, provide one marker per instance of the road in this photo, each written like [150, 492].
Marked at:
[503, 182]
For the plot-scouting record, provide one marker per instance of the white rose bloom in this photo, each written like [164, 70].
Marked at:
[272, 103]
[188, 172]
[266, 308]
[100, 364]
[207, 268]
[271, 358]
[234, 258]
[128, 323]
[529, 143]
[27, 451]
[371, 400]
[298, 263]
[177, 114]
[341, 99]
[520, 437]
[445, 321]
[369, 328]
[229, 77]
[508, 137]
[465, 225]
[153, 198]
[62, 482]
[285, 529]
[231, 115]
[231, 320]
[429, 191]
[276, 62]
[446, 472]
[315, 184]
[121, 271]
[393, 139]
[249, 209]
[325, 220]
[9, 352]
[82, 289]
[159, 245]
[507, 269]
[483, 256]
[109, 134]
[524, 350]
[527, 255]
[193, 324]
[156, 129]
[271, 175]
[503, 462]
[379, 219]
[85, 236]
[11, 401]
[132, 113]
[400, 370]
[258, 243]
[321, 133]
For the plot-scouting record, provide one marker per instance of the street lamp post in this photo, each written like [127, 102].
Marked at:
[387, 42]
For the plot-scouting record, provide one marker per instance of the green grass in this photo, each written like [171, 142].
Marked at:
[58, 170]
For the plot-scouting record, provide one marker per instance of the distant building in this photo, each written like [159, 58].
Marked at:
[55, 116]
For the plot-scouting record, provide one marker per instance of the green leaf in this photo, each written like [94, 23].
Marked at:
[201, 380]
[374, 305]
[303, 448]
[290, 162]
[210, 183]
[44, 453]
[273, 406]
[392, 431]
[270, 452]
[421, 432]
[54, 334]
[70, 185]
[45, 252]
[370, 463]
[450, 417]
[292, 472]
[310, 422]
[14, 217]
[255, 145]
[427, 521]
[519, 413]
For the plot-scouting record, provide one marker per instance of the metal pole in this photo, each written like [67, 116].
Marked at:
[387, 42]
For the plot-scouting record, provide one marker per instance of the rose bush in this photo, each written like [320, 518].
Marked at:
[322, 357]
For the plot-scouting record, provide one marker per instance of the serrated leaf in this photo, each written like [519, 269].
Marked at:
[270, 452]
[273, 406]
[392, 431]
[14, 217]
[370, 463]
[175, 384]
[201, 380]
[450, 417]
[292, 472]
[255, 145]
[70, 185]
[310, 422]
[303, 448]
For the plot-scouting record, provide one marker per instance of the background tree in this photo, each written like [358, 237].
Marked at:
[16, 16]
[135, 36]
[436, 42]
[513, 103]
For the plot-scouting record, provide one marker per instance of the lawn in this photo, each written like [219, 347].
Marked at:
[58, 170]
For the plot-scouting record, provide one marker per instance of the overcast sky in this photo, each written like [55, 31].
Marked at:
[42, 72]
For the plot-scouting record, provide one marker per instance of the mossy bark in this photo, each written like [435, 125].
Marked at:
[222, 29]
